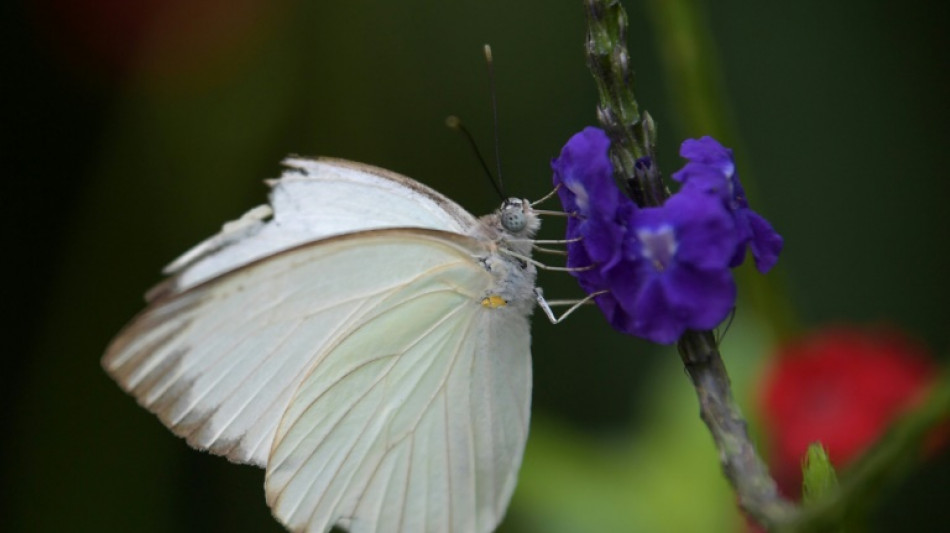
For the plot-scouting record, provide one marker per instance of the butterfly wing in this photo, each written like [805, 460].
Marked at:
[393, 388]
[315, 199]
[416, 420]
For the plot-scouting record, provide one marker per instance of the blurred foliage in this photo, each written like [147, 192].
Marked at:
[132, 133]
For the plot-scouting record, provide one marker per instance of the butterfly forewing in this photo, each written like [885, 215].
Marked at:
[315, 199]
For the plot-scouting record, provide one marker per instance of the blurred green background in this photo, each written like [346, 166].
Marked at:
[133, 130]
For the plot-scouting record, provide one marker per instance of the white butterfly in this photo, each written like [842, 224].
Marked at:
[363, 338]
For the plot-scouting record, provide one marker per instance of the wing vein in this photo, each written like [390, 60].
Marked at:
[222, 357]
[405, 491]
[369, 389]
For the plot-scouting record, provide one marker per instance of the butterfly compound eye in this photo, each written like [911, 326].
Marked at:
[513, 219]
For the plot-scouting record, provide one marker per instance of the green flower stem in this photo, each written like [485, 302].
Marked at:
[756, 490]
[632, 137]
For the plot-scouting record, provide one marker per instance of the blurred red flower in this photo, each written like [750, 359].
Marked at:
[165, 41]
[841, 386]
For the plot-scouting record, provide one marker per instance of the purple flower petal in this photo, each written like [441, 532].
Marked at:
[705, 178]
[765, 244]
[711, 170]
[708, 151]
[706, 232]
[703, 297]
[602, 240]
[656, 319]
[587, 189]
[585, 174]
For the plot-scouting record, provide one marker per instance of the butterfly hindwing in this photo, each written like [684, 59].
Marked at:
[414, 421]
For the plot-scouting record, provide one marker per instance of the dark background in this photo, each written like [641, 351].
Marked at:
[133, 130]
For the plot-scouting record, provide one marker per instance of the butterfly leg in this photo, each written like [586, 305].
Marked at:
[574, 304]
[549, 250]
[543, 266]
[546, 196]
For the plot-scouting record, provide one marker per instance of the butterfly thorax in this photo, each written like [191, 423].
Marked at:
[510, 230]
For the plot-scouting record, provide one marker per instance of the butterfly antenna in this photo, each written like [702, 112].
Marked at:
[455, 123]
[494, 112]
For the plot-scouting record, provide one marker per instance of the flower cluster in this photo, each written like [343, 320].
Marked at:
[661, 270]
[842, 387]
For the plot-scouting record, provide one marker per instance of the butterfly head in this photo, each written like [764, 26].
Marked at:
[518, 218]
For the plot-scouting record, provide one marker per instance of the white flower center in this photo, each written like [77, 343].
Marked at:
[658, 245]
[580, 196]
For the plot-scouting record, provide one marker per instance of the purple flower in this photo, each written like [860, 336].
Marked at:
[587, 189]
[661, 270]
[675, 272]
[585, 174]
[665, 269]
[711, 169]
